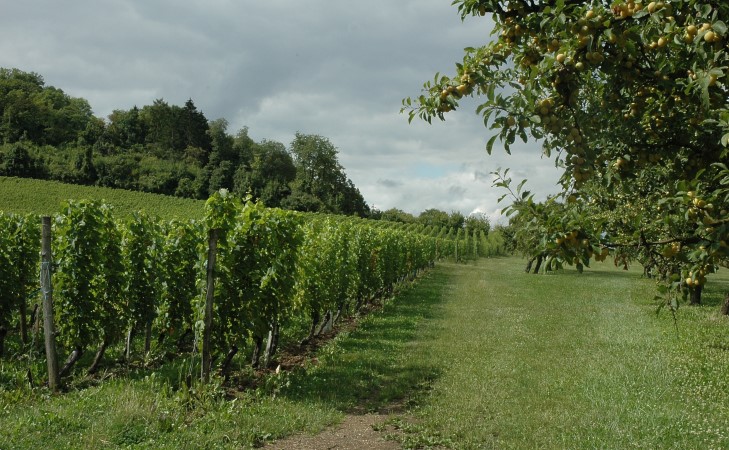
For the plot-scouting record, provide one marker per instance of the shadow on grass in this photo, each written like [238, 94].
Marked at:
[364, 370]
[360, 370]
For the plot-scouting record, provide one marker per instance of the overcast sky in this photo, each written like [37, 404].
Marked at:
[336, 68]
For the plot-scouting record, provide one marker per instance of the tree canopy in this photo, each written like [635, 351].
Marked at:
[163, 148]
[630, 98]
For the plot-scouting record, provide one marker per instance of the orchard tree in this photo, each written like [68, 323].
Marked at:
[631, 100]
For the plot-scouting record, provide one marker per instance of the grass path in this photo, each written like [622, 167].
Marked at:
[472, 356]
[570, 361]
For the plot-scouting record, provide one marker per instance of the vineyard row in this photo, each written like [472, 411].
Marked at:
[112, 279]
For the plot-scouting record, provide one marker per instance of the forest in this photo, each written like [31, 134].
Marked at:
[163, 148]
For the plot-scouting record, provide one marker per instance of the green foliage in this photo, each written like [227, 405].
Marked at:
[319, 175]
[18, 262]
[271, 172]
[630, 99]
[257, 272]
[162, 148]
[137, 272]
[142, 247]
[79, 278]
[647, 389]
[181, 257]
[110, 310]
[42, 114]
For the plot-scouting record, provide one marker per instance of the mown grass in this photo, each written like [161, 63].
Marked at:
[571, 361]
[29, 196]
[359, 370]
[477, 355]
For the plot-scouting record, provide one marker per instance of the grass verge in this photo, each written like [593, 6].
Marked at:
[472, 356]
[571, 361]
[359, 370]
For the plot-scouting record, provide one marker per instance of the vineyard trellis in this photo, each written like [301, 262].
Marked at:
[115, 277]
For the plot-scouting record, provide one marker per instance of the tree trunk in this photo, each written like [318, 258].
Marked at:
[539, 264]
[695, 292]
[3, 333]
[23, 318]
[528, 267]
[181, 340]
[72, 358]
[161, 338]
[648, 271]
[98, 357]
[207, 359]
[340, 308]
[257, 346]
[35, 319]
[725, 306]
[225, 365]
[147, 337]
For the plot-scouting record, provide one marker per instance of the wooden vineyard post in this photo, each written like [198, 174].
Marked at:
[209, 296]
[49, 329]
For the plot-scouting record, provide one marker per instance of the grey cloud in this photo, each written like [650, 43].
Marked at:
[482, 176]
[390, 184]
[339, 69]
[456, 191]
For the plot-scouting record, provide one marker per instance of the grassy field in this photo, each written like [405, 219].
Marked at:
[28, 196]
[138, 408]
[571, 361]
[476, 356]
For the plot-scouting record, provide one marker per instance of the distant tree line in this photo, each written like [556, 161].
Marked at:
[176, 150]
[163, 148]
[473, 223]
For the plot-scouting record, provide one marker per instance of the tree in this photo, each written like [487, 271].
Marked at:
[195, 128]
[477, 222]
[397, 215]
[270, 173]
[19, 114]
[19, 163]
[42, 114]
[351, 202]
[627, 97]
[456, 220]
[221, 142]
[434, 217]
[163, 127]
[126, 128]
[221, 177]
[319, 175]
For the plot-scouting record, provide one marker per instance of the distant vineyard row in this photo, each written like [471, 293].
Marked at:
[114, 276]
[30, 196]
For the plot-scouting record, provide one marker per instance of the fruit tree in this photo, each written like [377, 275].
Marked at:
[631, 98]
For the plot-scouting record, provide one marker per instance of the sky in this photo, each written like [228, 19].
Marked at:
[336, 68]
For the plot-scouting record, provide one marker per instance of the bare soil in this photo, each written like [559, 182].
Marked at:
[355, 432]
[358, 429]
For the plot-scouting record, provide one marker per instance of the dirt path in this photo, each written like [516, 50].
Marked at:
[355, 432]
